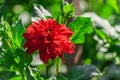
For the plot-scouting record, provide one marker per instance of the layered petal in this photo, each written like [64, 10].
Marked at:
[51, 39]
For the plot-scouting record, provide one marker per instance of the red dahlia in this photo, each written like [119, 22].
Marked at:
[50, 38]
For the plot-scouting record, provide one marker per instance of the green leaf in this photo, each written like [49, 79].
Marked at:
[68, 10]
[61, 77]
[106, 11]
[101, 34]
[29, 74]
[114, 4]
[15, 19]
[22, 59]
[80, 27]
[8, 59]
[6, 34]
[5, 29]
[1, 30]
[6, 75]
[8, 29]
[18, 30]
[17, 77]
[16, 59]
[82, 72]
[112, 73]
[5, 43]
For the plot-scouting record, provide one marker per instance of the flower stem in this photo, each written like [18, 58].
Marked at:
[57, 65]
[22, 72]
[46, 69]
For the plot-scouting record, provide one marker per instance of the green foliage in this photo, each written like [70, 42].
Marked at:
[8, 60]
[61, 77]
[68, 10]
[13, 57]
[101, 34]
[100, 48]
[112, 73]
[82, 72]
[6, 34]
[104, 13]
[6, 75]
[17, 77]
[30, 75]
[80, 27]
[18, 30]
[12, 35]
[22, 59]
[114, 4]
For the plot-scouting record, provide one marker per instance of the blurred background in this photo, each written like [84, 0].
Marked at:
[101, 48]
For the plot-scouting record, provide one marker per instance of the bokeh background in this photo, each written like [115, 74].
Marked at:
[101, 48]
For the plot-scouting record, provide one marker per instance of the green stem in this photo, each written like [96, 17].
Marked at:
[46, 69]
[29, 68]
[57, 66]
[22, 72]
[9, 45]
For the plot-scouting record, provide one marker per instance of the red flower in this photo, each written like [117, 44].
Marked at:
[50, 38]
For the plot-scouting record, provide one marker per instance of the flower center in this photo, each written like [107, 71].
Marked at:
[48, 31]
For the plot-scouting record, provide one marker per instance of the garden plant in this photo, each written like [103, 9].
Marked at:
[52, 41]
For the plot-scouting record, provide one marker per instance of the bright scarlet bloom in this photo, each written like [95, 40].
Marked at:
[50, 38]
